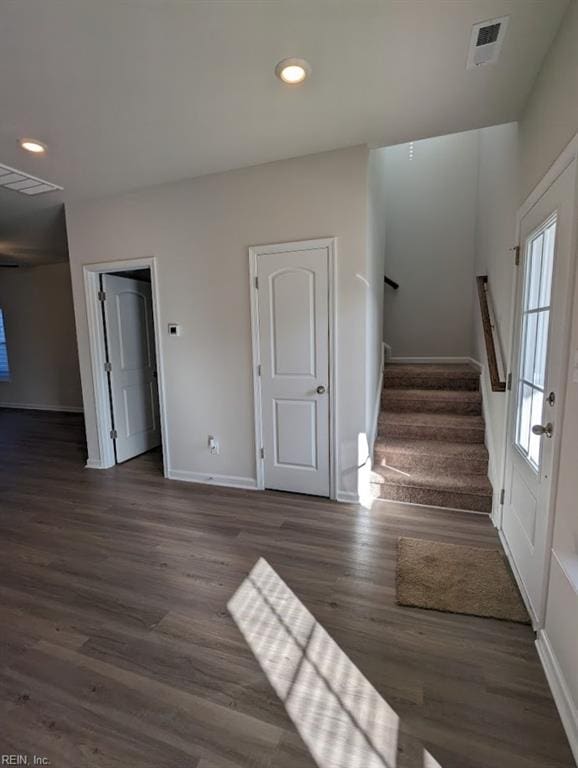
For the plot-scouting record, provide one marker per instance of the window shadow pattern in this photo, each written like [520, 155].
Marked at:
[340, 716]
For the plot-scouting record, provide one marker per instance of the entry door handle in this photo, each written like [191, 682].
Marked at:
[543, 429]
[321, 390]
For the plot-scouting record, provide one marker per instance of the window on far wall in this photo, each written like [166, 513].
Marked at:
[4, 367]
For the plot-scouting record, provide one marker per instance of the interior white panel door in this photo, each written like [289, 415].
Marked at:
[293, 316]
[537, 384]
[131, 354]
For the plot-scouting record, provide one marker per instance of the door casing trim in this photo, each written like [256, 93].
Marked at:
[91, 273]
[330, 243]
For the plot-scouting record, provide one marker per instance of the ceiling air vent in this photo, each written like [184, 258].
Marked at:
[24, 183]
[486, 42]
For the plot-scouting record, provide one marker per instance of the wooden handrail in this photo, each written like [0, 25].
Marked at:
[497, 384]
[391, 282]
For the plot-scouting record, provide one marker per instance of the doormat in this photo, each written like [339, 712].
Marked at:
[457, 579]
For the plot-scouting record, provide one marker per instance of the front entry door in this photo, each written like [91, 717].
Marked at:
[537, 384]
[293, 329]
[131, 355]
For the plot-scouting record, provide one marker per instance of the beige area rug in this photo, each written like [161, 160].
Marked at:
[457, 579]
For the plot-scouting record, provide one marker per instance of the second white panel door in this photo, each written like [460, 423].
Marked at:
[133, 376]
[293, 309]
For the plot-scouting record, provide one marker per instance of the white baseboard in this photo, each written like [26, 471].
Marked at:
[95, 464]
[347, 497]
[246, 483]
[387, 352]
[562, 698]
[476, 363]
[39, 407]
[227, 481]
[441, 360]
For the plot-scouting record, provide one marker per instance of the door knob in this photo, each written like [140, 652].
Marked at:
[543, 429]
[321, 390]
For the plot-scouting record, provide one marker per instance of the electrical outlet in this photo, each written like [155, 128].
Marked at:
[213, 443]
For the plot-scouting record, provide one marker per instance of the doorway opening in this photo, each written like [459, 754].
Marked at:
[126, 358]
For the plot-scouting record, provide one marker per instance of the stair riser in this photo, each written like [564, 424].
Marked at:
[445, 434]
[434, 382]
[434, 498]
[408, 462]
[389, 402]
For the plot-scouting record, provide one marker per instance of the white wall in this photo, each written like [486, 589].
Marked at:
[549, 122]
[199, 230]
[430, 227]
[40, 332]
[375, 270]
[550, 118]
[495, 237]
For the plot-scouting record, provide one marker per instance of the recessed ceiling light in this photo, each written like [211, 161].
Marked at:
[31, 145]
[292, 71]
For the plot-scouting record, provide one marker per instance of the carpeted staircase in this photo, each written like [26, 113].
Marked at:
[430, 444]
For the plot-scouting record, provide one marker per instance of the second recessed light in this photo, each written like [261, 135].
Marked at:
[31, 145]
[293, 71]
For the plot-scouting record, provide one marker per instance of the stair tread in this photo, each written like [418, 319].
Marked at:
[454, 376]
[419, 370]
[417, 418]
[425, 447]
[461, 395]
[430, 449]
[476, 485]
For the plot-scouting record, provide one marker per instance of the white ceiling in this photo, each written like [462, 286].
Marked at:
[128, 93]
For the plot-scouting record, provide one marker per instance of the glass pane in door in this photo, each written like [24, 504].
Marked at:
[536, 304]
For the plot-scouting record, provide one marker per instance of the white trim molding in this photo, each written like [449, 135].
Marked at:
[347, 497]
[377, 405]
[92, 272]
[95, 464]
[562, 698]
[475, 363]
[204, 478]
[330, 243]
[41, 407]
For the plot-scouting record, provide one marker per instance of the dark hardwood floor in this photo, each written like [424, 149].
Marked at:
[117, 648]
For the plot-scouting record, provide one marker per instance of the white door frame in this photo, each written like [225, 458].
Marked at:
[92, 273]
[330, 243]
[568, 155]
